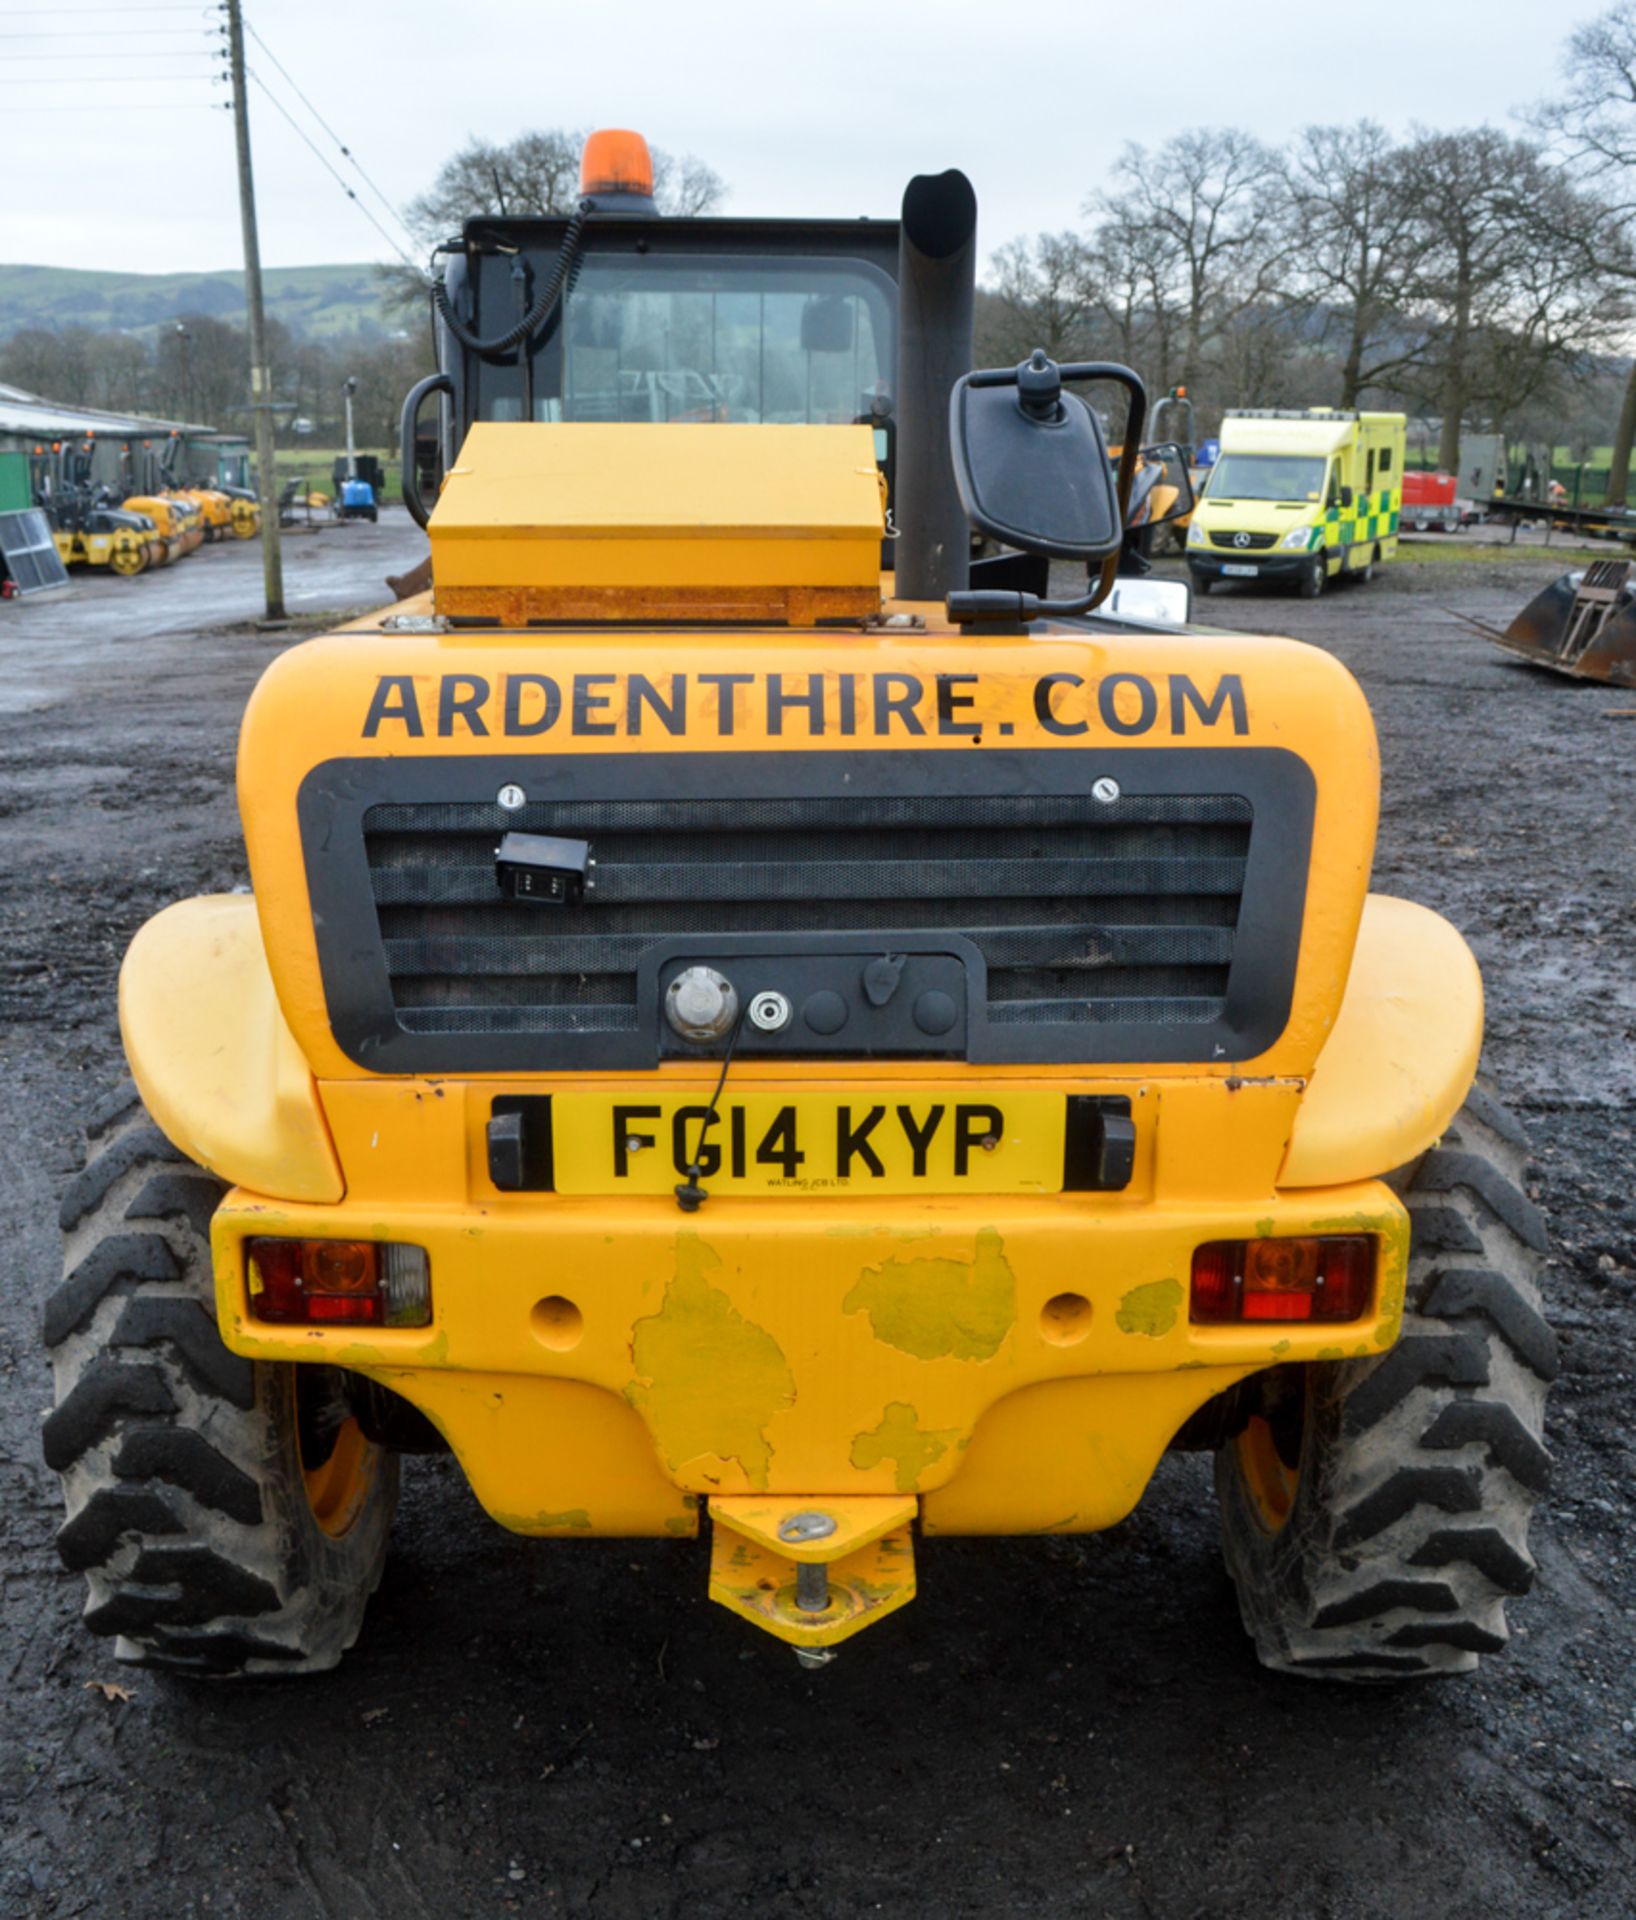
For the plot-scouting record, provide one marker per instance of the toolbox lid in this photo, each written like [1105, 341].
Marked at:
[605, 521]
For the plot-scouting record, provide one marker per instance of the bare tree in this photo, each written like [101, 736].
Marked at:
[1592, 125]
[51, 364]
[684, 186]
[1135, 267]
[1047, 295]
[120, 370]
[1473, 195]
[538, 173]
[1216, 198]
[1356, 255]
[201, 367]
[535, 174]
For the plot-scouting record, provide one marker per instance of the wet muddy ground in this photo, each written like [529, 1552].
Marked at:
[1056, 1726]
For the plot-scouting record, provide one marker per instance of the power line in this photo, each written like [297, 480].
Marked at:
[105, 80]
[324, 162]
[169, 53]
[111, 33]
[144, 106]
[249, 27]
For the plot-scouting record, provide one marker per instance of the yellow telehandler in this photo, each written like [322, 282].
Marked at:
[750, 1021]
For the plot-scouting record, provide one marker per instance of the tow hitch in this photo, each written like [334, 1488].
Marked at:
[814, 1572]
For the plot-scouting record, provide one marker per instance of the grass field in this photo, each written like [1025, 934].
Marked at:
[1488, 553]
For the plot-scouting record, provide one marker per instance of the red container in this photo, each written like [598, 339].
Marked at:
[1428, 489]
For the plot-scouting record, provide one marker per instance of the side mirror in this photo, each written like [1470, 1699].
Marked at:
[828, 324]
[1164, 603]
[1163, 488]
[1346, 496]
[1034, 473]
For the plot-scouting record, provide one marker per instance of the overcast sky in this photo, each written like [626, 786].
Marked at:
[803, 106]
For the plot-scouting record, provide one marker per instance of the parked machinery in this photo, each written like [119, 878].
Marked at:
[744, 1023]
[87, 528]
[178, 519]
[1582, 625]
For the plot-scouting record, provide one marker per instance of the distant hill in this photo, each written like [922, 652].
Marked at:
[313, 302]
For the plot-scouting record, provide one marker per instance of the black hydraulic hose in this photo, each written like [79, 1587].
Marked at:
[537, 315]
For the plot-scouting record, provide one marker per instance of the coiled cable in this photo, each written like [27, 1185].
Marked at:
[536, 316]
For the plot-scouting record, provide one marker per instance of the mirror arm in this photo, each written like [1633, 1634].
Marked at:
[989, 604]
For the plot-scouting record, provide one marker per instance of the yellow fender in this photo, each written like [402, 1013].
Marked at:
[1402, 1054]
[212, 1055]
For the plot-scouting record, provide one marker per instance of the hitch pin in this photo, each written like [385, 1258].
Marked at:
[811, 1576]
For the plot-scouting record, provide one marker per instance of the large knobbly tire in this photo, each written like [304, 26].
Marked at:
[1417, 1474]
[181, 1463]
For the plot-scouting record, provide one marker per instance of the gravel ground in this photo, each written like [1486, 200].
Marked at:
[1056, 1726]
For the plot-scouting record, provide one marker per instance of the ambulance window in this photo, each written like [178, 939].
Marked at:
[1334, 499]
[1386, 459]
[1369, 472]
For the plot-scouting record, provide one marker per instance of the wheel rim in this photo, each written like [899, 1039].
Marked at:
[338, 1461]
[1268, 1480]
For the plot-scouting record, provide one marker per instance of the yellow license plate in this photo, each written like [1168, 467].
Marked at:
[903, 1141]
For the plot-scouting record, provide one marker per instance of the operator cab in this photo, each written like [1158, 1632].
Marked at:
[758, 322]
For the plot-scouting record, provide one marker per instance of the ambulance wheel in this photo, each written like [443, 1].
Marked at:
[229, 1516]
[1202, 582]
[1374, 1513]
[1366, 572]
[1314, 580]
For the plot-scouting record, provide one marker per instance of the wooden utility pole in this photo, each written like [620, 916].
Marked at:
[261, 385]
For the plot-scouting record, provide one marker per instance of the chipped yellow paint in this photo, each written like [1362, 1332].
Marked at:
[1280, 1348]
[1151, 1309]
[575, 1520]
[857, 1520]
[1330, 1353]
[941, 1308]
[708, 1380]
[899, 1438]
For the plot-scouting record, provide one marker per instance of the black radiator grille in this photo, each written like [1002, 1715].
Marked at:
[1086, 913]
[1245, 542]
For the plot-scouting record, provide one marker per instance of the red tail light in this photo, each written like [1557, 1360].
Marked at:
[1325, 1278]
[324, 1282]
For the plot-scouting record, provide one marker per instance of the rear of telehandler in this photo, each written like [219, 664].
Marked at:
[723, 1036]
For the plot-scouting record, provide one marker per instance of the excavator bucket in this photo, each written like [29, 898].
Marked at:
[1583, 625]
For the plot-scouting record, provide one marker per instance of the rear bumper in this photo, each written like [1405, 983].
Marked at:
[1020, 1364]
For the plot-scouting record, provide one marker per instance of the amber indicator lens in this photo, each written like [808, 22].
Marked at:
[1325, 1278]
[350, 1282]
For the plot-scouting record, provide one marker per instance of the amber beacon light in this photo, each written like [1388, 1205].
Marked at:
[615, 161]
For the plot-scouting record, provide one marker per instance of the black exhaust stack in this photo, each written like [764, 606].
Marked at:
[937, 295]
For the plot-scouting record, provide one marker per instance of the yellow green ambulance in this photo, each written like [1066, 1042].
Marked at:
[1302, 497]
